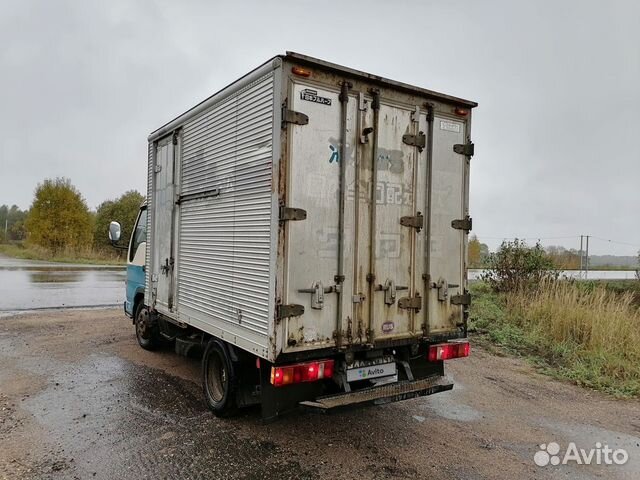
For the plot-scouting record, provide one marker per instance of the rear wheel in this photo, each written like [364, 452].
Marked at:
[219, 379]
[147, 331]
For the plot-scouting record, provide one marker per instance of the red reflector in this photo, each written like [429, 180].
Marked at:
[302, 72]
[447, 351]
[301, 372]
[461, 111]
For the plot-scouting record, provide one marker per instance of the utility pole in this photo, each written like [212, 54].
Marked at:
[586, 275]
[6, 227]
[581, 255]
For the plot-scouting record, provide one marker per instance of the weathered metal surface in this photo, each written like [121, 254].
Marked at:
[148, 288]
[315, 160]
[448, 245]
[462, 299]
[383, 394]
[416, 221]
[164, 187]
[465, 224]
[290, 213]
[238, 256]
[419, 140]
[224, 259]
[289, 310]
[291, 116]
[410, 303]
[464, 149]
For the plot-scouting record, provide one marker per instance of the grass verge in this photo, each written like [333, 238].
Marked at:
[85, 256]
[586, 332]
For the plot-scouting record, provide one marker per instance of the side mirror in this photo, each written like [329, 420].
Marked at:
[114, 232]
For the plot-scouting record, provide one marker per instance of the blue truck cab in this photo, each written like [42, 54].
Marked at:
[136, 264]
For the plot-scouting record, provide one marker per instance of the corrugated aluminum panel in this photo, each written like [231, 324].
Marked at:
[147, 260]
[224, 245]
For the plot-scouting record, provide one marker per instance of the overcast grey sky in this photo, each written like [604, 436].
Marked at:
[82, 83]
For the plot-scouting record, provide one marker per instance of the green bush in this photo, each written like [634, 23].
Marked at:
[517, 266]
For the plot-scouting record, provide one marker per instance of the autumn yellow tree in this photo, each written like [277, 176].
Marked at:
[59, 218]
[475, 251]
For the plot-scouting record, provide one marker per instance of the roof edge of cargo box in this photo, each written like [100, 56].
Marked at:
[273, 63]
[305, 59]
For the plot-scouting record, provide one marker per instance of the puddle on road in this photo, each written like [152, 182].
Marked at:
[114, 419]
[448, 405]
[24, 289]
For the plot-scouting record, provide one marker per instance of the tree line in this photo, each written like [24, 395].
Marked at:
[59, 219]
[558, 256]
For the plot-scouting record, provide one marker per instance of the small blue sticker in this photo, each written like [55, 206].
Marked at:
[335, 154]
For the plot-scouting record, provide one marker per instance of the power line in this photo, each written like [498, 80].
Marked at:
[506, 237]
[618, 242]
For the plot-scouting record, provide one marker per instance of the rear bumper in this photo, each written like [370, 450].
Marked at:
[393, 392]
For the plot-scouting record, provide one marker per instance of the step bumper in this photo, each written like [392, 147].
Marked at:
[393, 392]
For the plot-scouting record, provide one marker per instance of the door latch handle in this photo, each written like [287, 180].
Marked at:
[443, 289]
[390, 288]
[317, 294]
[167, 267]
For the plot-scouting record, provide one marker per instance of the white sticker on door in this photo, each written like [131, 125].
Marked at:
[450, 126]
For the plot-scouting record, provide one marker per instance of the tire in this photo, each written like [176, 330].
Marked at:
[219, 380]
[147, 332]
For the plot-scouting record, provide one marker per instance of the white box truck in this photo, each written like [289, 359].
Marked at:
[306, 229]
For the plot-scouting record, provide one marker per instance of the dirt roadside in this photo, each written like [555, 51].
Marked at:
[80, 399]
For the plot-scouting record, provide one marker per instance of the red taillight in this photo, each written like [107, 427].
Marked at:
[446, 351]
[302, 372]
[461, 111]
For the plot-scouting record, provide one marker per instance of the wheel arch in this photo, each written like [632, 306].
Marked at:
[137, 300]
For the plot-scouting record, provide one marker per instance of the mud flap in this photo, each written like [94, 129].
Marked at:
[379, 395]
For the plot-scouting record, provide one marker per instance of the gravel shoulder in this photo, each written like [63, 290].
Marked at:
[80, 399]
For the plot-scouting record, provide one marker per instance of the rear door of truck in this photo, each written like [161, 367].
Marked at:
[449, 224]
[387, 277]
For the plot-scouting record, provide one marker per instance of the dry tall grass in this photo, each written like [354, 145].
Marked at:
[591, 332]
[595, 318]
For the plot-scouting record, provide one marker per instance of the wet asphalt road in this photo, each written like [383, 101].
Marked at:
[79, 399]
[29, 284]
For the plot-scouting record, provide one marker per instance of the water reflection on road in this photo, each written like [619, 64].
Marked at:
[27, 284]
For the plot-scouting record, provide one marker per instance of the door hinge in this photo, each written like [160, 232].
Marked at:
[410, 303]
[289, 213]
[464, 149]
[465, 223]
[419, 140]
[291, 116]
[291, 310]
[464, 299]
[416, 222]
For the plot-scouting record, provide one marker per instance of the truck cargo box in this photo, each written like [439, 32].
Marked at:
[310, 208]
